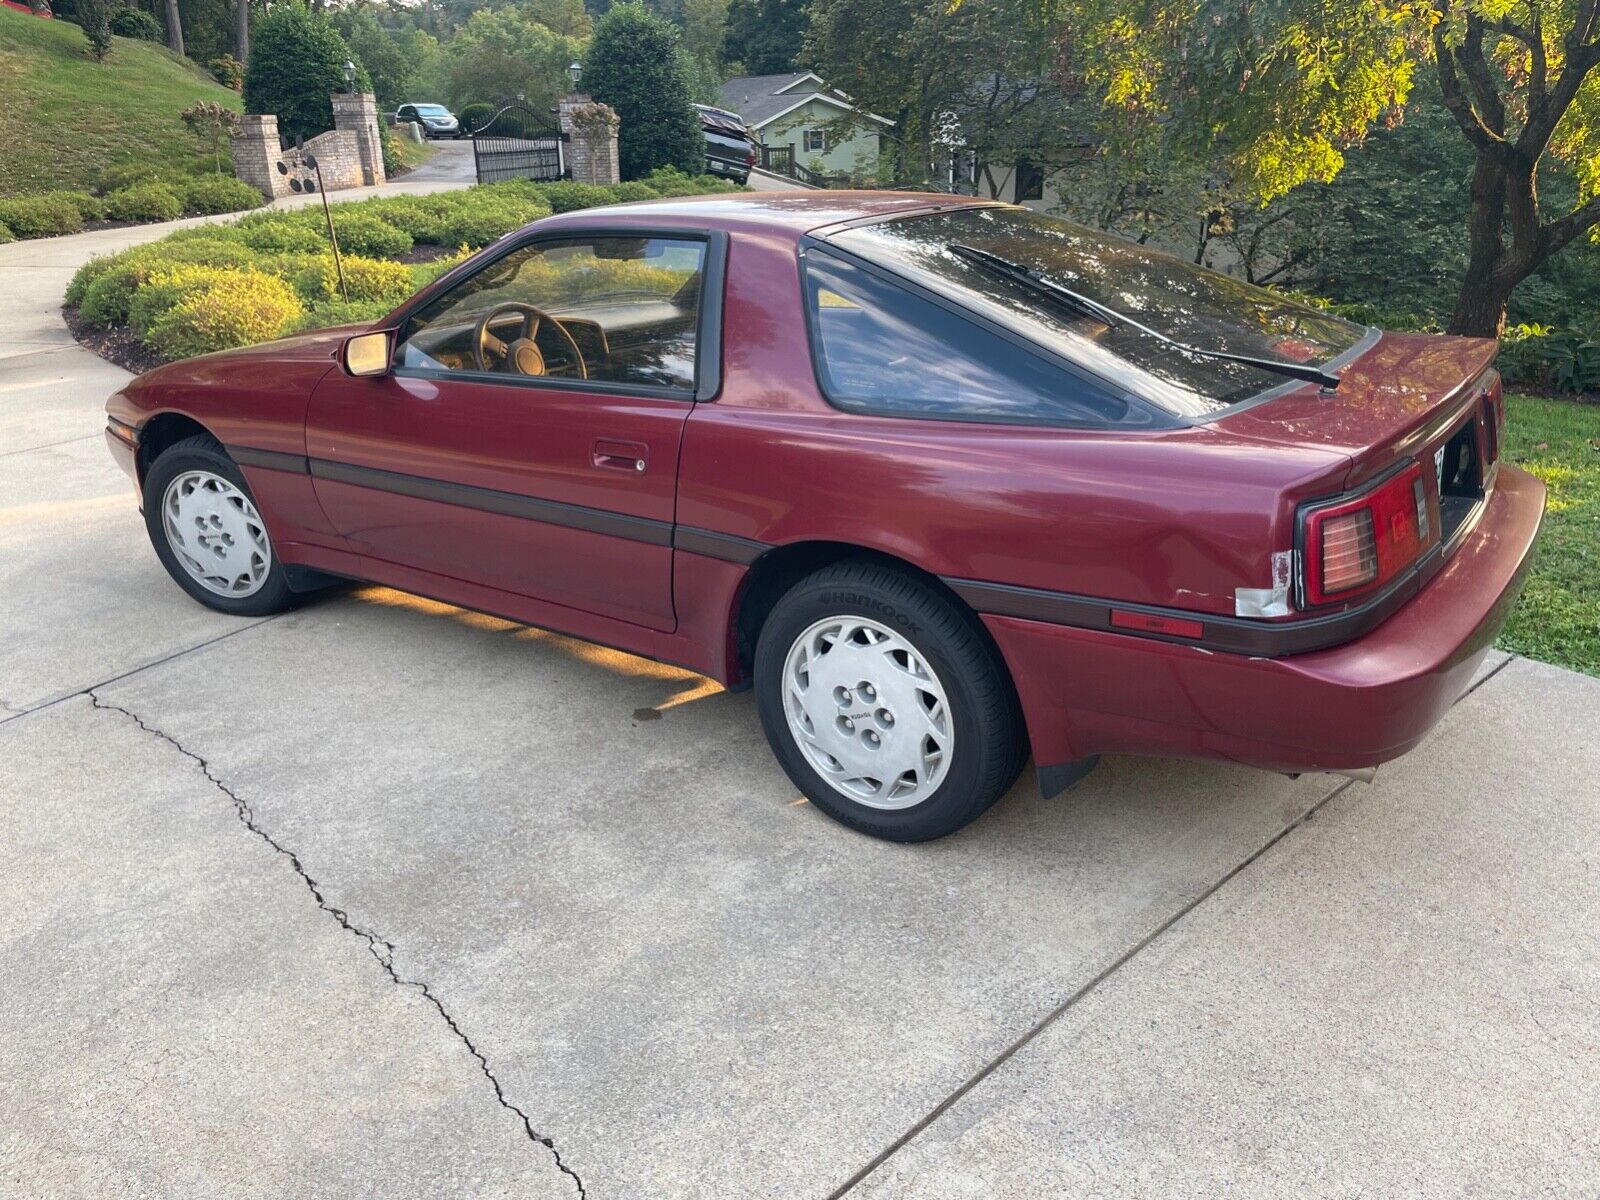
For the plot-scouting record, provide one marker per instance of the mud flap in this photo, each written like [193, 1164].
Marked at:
[1054, 780]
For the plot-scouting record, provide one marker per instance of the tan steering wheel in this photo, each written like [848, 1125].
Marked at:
[521, 354]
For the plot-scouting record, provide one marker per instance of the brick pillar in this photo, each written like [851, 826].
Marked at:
[256, 151]
[592, 132]
[357, 113]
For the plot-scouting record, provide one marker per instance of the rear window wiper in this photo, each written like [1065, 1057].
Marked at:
[1095, 311]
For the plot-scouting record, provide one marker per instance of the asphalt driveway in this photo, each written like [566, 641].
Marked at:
[383, 898]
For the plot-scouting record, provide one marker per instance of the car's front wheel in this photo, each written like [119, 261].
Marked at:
[209, 534]
[885, 705]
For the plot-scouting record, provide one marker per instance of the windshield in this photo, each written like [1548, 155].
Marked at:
[432, 110]
[1184, 302]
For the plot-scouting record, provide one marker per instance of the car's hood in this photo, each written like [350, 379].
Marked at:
[312, 348]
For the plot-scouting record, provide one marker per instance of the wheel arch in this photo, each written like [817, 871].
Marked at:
[780, 568]
[166, 429]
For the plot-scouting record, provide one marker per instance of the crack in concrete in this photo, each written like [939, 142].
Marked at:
[381, 949]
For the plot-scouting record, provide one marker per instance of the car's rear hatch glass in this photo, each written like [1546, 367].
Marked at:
[1185, 302]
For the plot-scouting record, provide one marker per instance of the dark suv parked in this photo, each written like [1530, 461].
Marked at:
[730, 150]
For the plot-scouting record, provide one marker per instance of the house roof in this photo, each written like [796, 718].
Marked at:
[762, 99]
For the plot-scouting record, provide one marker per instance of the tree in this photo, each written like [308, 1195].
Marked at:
[913, 61]
[296, 64]
[387, 63]
[501, 53]
[241, 31]
[766, 37]
[1271, 94]
[94, 17]
[174, 27]
[213, 123]
[636, 66]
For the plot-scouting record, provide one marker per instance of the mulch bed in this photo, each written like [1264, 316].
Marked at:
[117, 346]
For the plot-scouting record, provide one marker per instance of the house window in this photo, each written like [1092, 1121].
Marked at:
[1030, 181]
[815, 141]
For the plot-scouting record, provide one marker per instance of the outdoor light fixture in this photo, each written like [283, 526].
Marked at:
[575, 70]
[350, 75]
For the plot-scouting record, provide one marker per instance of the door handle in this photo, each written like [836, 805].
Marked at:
[632, 457]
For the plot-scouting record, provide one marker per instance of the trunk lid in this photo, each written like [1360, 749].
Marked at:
[1400, 399]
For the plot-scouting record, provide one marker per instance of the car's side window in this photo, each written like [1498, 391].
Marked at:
[607, 309]
[881, 348]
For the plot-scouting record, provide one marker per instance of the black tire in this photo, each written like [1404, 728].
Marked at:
[989, 745]
[206, 454]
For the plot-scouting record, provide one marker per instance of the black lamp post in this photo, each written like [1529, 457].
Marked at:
[576, 71]
[349, 76]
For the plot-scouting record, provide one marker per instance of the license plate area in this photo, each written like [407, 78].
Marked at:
[1459, 468]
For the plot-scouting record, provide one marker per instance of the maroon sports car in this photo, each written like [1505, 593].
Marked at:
[946, 480]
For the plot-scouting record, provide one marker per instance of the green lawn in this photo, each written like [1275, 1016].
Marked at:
[1558, 619]
[64, 118]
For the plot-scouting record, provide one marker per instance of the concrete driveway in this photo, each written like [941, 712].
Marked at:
[383, 898]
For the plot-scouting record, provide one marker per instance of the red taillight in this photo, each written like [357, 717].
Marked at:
[1354, 546]
[1494, 419]
[750, 158]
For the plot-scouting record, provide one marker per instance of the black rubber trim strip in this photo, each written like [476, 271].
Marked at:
[272, 460]
[725, 546]
[510, 504]
[1233, 635]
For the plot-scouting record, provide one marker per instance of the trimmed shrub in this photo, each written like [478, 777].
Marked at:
[136, 23]
[106, 300]
[669, 181]
[362, 233]
[357, 312]
[207, 194]
[634, 189]
[281, 234]
[166, 287]
[490, 213]
[367, 279]
[422, 217]
[45, 215]
[6, 235]
[475, 115]
[228, 71]
[121, 175]
[567, 196]
[205, 251]
[238, 308]
[90, 208]
[148, 201]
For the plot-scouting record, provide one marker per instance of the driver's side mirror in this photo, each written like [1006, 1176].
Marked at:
[367, 354]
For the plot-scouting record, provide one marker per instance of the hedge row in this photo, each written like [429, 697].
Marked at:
[150, 198]
[212, 287]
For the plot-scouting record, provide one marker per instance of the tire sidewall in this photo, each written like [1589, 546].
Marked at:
[197, 455]
[950, 806]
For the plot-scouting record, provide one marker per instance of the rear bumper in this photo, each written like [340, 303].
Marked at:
[1087, 692]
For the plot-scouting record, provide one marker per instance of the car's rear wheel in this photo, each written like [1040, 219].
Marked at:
[885, 705]
[209, 534]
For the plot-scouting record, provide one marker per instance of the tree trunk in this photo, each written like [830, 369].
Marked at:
[241, 30]
[174, 28]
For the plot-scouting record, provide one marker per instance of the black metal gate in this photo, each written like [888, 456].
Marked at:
[518, 143]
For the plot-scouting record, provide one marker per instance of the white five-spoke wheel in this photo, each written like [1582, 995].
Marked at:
[868, 711]
[885, 702]
[209, 533]
[215, 534]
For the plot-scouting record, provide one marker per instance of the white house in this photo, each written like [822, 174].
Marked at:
[798, 109]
